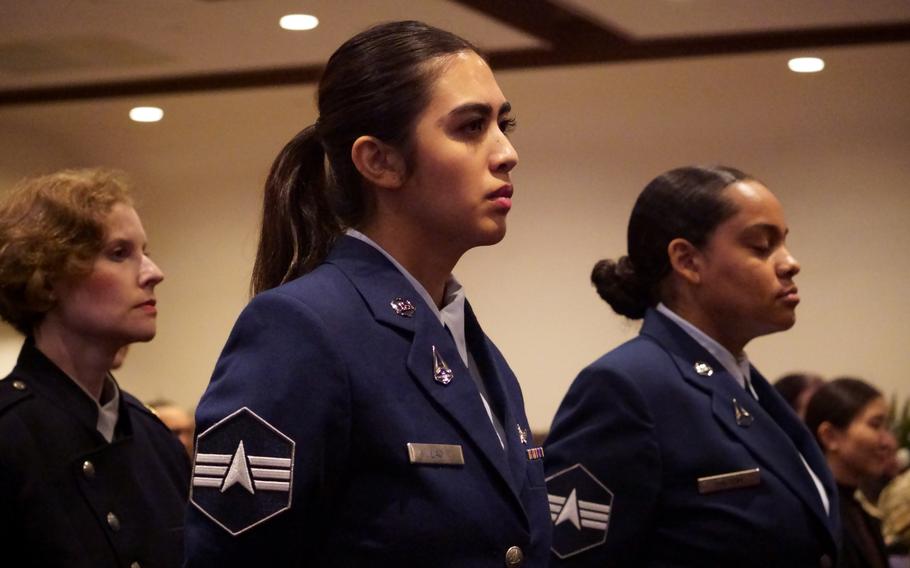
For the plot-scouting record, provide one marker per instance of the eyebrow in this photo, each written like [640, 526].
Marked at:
[766, 228]
[481, 108]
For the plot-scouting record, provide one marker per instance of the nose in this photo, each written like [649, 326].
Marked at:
[504, 157]
[788, 267]
[149, 273]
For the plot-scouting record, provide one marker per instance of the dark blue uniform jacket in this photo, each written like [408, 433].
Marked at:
[648, 426]
[70, 498]
[332, 384]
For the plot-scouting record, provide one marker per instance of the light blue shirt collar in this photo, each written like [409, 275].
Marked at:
[737, 367]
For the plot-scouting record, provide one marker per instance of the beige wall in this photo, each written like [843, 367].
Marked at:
[834, 147]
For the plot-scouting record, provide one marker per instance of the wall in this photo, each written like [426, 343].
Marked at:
[833, 147]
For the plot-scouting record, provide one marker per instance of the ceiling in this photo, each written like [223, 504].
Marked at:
[54, 50]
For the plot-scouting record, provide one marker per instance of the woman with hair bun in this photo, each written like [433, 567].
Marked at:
[358, 415]
[672, 450]
[849, 418]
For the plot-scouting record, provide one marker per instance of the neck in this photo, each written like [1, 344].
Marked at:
[82, 359]
[429, 265]
[842, 474]
[728, 338]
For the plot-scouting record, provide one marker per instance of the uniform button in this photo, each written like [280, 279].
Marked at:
[825, 561]
[514, 557]
[19, 385]
[88, 469]
[135, 565]
[113, 522]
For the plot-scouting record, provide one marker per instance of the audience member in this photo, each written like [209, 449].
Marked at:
[849, 418]
[797, 389]
[88, 476]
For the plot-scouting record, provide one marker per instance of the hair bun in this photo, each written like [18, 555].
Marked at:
[617, 283]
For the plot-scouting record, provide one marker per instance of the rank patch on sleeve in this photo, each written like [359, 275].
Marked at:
[580, 510]
[242, 472]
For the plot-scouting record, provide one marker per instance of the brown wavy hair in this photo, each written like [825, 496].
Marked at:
[51, 229]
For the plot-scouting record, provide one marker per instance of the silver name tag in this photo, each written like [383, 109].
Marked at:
[733, 480]
[435, 454]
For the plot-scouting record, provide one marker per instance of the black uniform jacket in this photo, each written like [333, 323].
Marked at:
[690, 469]
[70, 498]
[303, 456]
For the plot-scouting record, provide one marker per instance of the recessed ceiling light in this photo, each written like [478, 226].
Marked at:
[297, 22]
[146, 114]
[806, 64]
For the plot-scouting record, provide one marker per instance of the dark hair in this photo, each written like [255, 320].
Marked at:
[792, 385]
[376, 84]
[681, 203]
[838, 402]
[51, 229]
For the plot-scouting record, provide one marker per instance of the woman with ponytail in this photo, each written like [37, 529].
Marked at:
[672, 449]
[358, 415]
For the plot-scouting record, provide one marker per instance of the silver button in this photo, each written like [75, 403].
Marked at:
[88, 469]
[135, 565]
[18, 385]
[514, 557]
[113, 522]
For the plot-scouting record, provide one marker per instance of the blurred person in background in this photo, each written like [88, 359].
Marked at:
[88, 476]
[849, 418]
[797, 389]
[178, 420]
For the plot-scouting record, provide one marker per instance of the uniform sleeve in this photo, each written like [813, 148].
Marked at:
[603, 472]
[273, 437]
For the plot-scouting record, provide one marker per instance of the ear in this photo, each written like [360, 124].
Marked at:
[829, 436]
[685, 260]
[379, 163]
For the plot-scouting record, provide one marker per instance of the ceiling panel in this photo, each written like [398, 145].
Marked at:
[658, 18]
[52, 42]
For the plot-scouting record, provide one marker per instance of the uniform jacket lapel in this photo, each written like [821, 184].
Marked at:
[501, 387]
[773, 441]
[379, 283]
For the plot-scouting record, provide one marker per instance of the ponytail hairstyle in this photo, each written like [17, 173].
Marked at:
[682, 203]
[376, 84]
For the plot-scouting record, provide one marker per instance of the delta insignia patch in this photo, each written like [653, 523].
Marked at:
[580, 508]
[242, 472]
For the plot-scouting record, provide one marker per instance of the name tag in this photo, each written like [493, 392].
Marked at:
[733, 480]
[435, 454]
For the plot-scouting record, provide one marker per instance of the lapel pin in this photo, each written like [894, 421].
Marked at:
[441, 372]
[743, 418]
[403, 307]
[703, 369]
[522, 434]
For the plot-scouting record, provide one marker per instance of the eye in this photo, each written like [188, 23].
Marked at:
[507, 125]
[474, 126]
[120, 252]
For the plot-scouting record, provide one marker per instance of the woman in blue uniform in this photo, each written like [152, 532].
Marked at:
[358, 415]
[88, 476]
[672, 450]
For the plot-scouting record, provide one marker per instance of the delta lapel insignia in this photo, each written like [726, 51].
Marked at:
[580, 507]
[242, 472]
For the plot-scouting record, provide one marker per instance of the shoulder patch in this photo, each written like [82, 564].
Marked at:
[580, 509]
[242, 472]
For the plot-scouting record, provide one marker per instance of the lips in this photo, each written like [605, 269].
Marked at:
[790, 295]
[503, 192]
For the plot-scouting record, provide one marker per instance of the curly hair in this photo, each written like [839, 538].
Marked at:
[51, 229]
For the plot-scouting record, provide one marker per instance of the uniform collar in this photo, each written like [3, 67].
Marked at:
[50, 381]
[452, 313]
[738, 367]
